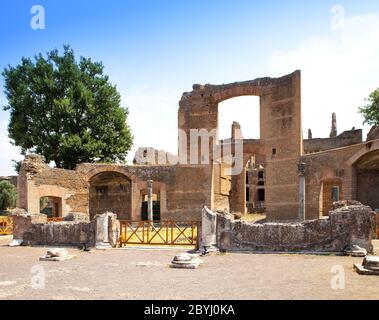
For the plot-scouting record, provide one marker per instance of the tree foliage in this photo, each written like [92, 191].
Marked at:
[65, 110]
[8, 195]
[370, 112]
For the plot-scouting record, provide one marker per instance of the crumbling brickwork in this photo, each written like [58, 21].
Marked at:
[280, 136]
[349, 224]
[340, 162]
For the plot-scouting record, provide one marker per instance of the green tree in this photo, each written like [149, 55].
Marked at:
[65, 110]
[8, 195]
[17, 165]
[370, 112]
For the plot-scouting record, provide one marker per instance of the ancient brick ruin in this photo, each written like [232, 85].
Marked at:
[341, 167]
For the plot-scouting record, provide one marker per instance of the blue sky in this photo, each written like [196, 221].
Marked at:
[155, 50]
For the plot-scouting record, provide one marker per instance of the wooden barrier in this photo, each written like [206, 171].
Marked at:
[6, 225]
[171, 233]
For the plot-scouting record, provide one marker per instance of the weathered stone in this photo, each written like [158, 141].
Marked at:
[57, 252]
[56, 255]
[268, 166]
[185, 257]
[23, 222]
[346, 227]
[16, 243]
[370, 266]
[77, 217]
[208, 241]
[355, 251]
[371, 262]
[186, 261]
[102, 230]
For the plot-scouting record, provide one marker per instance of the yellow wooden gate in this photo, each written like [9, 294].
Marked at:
[6, 226]
[171, 233]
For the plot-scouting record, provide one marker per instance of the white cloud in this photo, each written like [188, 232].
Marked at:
[339, 70]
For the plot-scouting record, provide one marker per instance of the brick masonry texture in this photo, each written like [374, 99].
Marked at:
[343, 161]
[349, 224]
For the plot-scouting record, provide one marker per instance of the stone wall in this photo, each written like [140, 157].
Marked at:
[33, 229]
[61, 234]
[280, 134]
[338, 167]
[346, 138]
[349, 224]
[183, 189]
[37, 180]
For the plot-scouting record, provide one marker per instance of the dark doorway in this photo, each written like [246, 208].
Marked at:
[156, 211]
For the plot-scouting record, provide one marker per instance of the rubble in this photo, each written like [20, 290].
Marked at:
[57, 254]
[355, 251]
[186, 261]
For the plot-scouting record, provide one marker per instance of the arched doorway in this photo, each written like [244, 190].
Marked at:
[367, 179]
[110, 192]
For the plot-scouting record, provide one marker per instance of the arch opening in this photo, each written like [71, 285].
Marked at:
[367, 179]
[245, 111]
[110, 192]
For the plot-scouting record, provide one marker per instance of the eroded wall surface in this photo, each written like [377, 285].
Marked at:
[97, 188]
[343, 167]
[280, 136]
[352, 224]
[346, 138]
[184, 188]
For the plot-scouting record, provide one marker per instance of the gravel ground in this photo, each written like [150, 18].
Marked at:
[144, 274]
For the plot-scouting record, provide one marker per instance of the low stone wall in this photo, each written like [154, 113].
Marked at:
[33, 229]
[350, 223]
[61, 234]
[22, 222]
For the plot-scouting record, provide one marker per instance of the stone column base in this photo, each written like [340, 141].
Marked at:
[103, 246]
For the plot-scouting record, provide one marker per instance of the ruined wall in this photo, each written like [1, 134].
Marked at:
[76, 230]
[349, 224]
[222, 188]
[338, 167]
[346, 138]
[37, 179]
[61, 234]
[281, 138]
[190, 189]
[183, 190]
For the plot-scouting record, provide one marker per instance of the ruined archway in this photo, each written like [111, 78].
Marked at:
[367, 179]
[110, 192]
[243, 110]
[280, 137]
